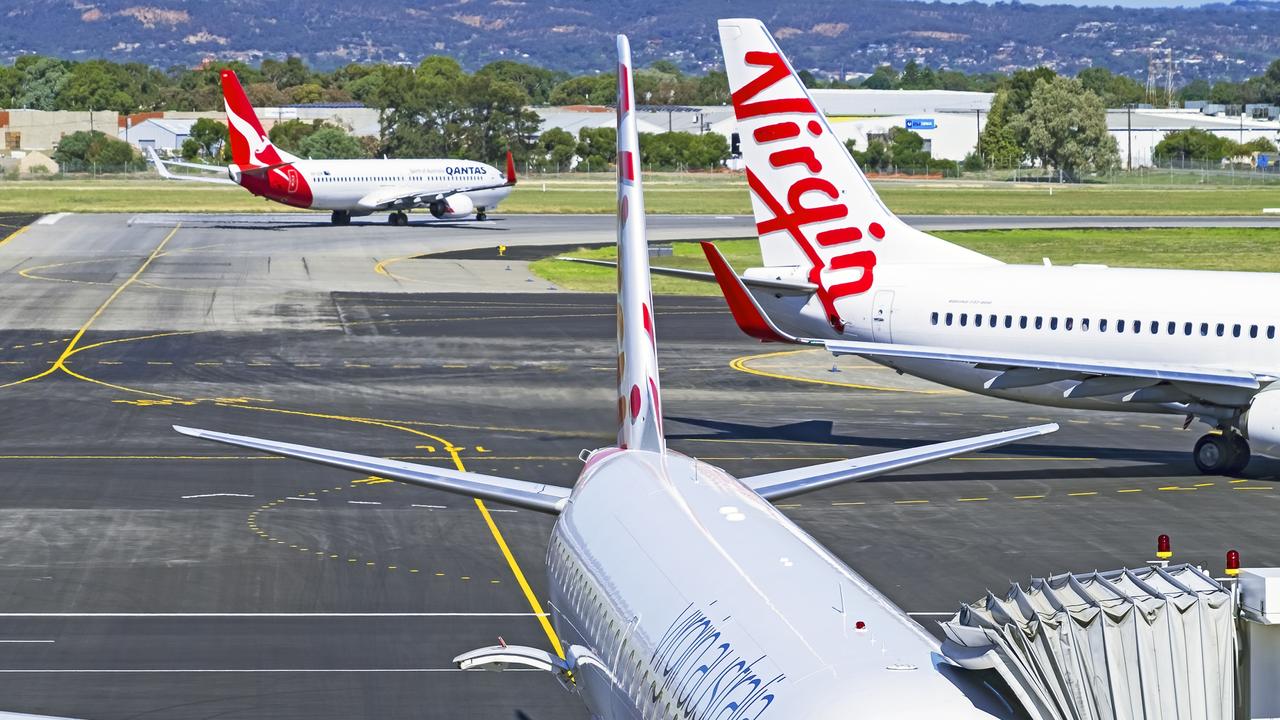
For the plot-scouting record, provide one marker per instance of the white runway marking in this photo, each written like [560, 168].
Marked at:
[209, 495]
[362, 502]
[28, 641]
[303, 499]
[432, 507]
[51, 219]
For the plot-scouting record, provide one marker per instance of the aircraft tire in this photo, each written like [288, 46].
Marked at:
[1241, 455]
[1215, 453]
[340, 217]
[482, 215]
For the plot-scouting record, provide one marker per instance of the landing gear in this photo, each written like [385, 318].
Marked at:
[398, 219]
[481, 214]
[340, 217]
[1222, 453]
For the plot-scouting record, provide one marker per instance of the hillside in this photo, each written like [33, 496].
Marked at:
[1217, 41]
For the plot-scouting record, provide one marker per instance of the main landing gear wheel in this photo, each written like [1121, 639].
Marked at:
[398, 219]
[1225, 453]
[481, 214]
[340, 217]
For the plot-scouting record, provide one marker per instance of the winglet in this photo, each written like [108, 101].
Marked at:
[750, 317]
[511, 169]
[160, 167]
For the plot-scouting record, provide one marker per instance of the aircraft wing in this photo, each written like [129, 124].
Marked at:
[1138, 382]
[162, 167]
[531, 496]
[786, 483]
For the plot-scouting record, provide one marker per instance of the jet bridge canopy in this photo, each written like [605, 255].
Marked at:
[1148, 643]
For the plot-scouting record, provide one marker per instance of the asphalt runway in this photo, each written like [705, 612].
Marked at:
[144, 574]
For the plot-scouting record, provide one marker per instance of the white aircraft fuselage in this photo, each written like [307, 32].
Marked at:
[670, 638]
[1136, 315]
[358, 186]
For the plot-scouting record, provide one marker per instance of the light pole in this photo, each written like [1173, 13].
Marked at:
[1128, 115]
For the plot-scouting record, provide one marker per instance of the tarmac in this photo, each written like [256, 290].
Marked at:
[145, 574]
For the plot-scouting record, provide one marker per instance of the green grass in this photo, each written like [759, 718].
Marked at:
[713, 194]
[1254, 249]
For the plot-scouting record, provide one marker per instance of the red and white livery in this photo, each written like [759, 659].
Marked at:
[348, 188]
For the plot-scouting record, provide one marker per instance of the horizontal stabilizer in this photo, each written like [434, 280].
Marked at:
[782, 286]
[162, 167]
[531, 496]
[786, 483]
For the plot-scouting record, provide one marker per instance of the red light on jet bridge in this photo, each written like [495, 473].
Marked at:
[1164, 550]
[860, 626]
[1233, 563]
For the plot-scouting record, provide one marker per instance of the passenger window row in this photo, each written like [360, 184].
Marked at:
[1133, 327]
[633, 675]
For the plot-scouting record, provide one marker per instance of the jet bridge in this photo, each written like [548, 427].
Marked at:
[1162, 643]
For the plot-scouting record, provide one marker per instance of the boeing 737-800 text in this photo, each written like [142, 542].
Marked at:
[842, 271]
[678, 591]
[348, 188]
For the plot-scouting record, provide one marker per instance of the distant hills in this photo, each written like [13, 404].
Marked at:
[1232, 41]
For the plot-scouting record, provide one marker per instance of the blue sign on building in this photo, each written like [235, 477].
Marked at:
[921, 124]
[1263, 161]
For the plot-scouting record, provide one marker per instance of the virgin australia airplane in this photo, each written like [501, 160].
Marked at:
[844, 272]
[446, 188]
[679, 591]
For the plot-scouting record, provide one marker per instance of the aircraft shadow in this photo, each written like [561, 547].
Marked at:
[1157, 463]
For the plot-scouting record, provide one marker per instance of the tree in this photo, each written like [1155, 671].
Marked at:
[86, 148]
[10, 80]
[330, 142]
[1066, 128]
[290, 134]
[290, 73]
[998, 144]
[1197, 89]
[554, 150]
[536, 82]
[41, 82]
[884, 78]
[598, 144]
[210, 135]
[1115, 90]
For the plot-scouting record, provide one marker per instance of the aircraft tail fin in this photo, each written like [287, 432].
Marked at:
[639, 396]
[250, 145]
[813, 206]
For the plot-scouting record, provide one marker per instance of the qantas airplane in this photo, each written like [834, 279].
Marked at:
[349, 188]
[679, 591]
[843, 272]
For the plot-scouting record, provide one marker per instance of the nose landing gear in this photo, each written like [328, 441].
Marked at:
[1222, 452]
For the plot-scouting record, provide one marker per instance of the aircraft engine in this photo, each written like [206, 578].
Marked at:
[1261, 423]
[454, 206]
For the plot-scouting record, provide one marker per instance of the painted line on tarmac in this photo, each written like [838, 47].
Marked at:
[175, 671]
[740, 364]
[252, 615]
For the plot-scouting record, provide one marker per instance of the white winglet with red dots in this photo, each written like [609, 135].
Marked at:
[639, 399]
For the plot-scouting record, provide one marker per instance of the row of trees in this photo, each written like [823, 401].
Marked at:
[1202, 146]
[46, 83]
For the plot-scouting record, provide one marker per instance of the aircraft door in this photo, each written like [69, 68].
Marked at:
[881, 317]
